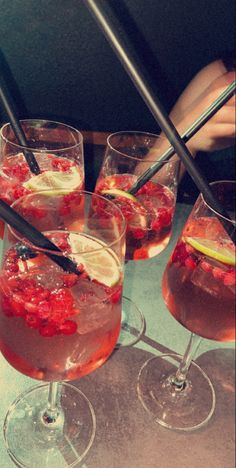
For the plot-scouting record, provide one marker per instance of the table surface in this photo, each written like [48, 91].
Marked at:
[127, 436]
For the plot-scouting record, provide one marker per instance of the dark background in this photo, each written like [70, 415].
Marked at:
[57, 63]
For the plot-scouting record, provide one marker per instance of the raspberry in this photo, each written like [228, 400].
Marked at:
[230, 278]
[73, 196]
[61, 164]
[156, 225]
[13, 267]
[140, 254]
[31, 308]
[163, 219]
[20, 192]
[44, 309]
[206, 266]
[218, 273]
[33, 321]
[190, 263]
[180, 253]
[62, 297]
[18, 308]
[70, 279]
[116, 295]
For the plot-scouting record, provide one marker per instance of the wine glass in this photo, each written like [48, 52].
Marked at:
[56, 325]
[58, 151]
[199, 291]
[149, 213]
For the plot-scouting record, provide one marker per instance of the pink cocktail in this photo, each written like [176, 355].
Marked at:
[47, 323]
[16, 179]
[149, 211]
[57, 324]
[199, 280]
[58, 151]
[149, 214]
[199, 285]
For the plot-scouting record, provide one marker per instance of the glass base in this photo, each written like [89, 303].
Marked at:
[132, 324]
[183, 409]
[32, 443]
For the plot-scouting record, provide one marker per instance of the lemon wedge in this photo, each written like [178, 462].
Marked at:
[139, 217]
[99, 261]
[119, 193]
[55, 181]
[213, 249]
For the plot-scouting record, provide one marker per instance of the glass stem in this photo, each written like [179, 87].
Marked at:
[52, 412]
[179, 379]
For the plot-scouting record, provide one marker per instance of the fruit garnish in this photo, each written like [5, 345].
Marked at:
[132, 209]
[114, 192]
[214, 249]
[99, 261]
[55, 181]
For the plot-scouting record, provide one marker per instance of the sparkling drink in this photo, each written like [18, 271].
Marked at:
[149, 214]
[56, 172]
[58, 150]
[199, 281]
[198, 285]
[60, 315]
[56, 325]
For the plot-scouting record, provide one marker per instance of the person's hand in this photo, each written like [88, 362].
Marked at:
[219, 132]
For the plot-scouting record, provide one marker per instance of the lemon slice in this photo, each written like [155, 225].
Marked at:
[213, 249]
[138, 218]
[100, 262]
[55, 181]
[119, 193]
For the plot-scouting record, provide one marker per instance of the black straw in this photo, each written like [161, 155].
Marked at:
[30, 159]
[156, 108]
[16, 221]
[186, 136]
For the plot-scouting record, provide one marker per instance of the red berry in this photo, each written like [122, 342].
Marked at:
[206, 266]
[190, 263]
[156, 225]
[116, 295]
[70, 279]
[230, 278]
[44, 309]
[13, 267]
[140, 254]
[218, 273]
[47, 330]
[163, 219]
[32, 321]
[19, 192]
[180, 253]
[73, 196]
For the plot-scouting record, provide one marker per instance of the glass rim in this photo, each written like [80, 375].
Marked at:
[61, 254]
[42, 150]
[137, 132]
[223, 181]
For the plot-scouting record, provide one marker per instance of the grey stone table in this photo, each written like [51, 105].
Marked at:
[126, 435]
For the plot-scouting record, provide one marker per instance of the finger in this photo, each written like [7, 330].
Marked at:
[221, 130]
[224, 115]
